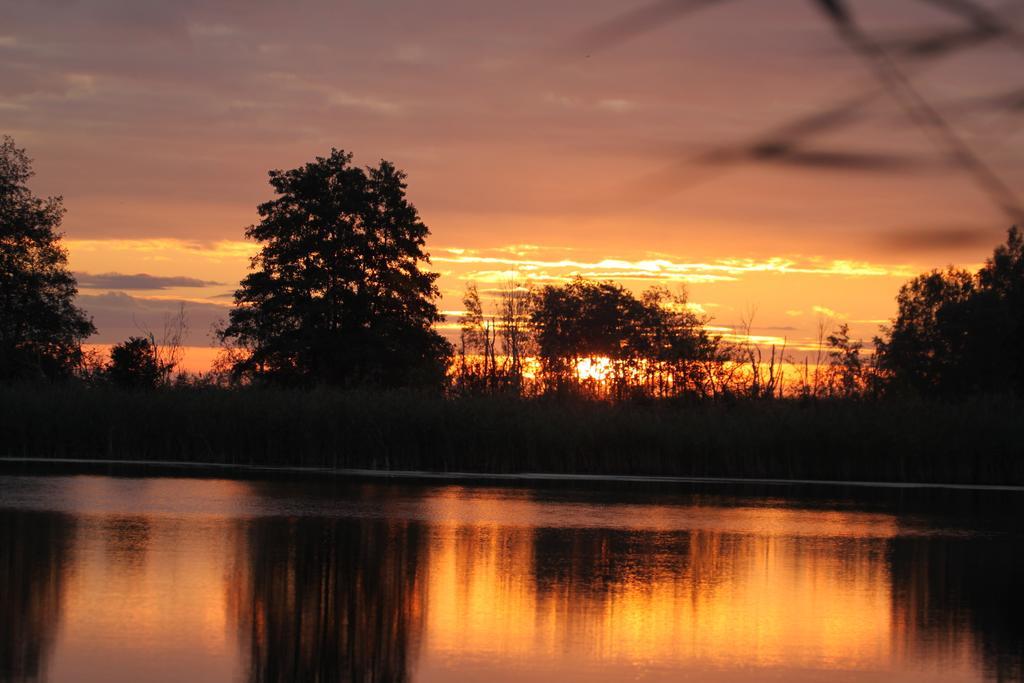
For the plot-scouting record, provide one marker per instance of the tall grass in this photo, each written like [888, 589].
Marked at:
[976, 441]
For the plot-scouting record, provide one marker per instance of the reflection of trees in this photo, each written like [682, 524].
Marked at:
[949, 589]
[591, 561]
[127, 541]
[948, 593]
[328, 599]
[602, 560]
[33, 565]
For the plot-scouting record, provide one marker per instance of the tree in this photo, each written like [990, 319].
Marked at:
[580, 320]
[135, 364]
[41, 329]
[1000, 307]
[514, 305]
[958, 333]
[337, 294]
[651, 344]
[681, 356]
[845, 364]
[924, 349]
[477, 367]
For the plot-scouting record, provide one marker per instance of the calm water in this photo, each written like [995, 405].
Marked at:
[119, 579]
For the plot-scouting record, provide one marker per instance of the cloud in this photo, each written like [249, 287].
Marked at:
[332, 95]
[212, 31]
[138, 281]
[938, 237]
[498, 265]
[616, 105]
[167, 249]
[827, 312]
[118, 315]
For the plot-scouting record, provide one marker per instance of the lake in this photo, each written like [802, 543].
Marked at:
[176, 579]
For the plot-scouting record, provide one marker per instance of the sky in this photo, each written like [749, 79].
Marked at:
[542, 139]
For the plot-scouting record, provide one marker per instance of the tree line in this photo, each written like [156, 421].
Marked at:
[340, 294]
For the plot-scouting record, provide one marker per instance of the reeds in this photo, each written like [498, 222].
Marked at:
[974, 441]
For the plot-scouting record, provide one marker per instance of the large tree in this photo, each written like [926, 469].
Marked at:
[958, 333]
[338, 295]
[41, 329]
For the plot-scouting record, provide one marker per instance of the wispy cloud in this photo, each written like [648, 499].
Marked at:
[163, 249]
[140, 281]
[618, 106]
[503, 263]
[827, 312]
[334, 95]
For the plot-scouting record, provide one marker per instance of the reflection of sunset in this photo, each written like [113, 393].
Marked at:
[164, 593]
[496, 584]
[154, 579]
[810, 589]
[129, 596]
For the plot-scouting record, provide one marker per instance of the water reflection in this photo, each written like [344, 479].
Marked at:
[126, 539]
[612, 598]
[328, 600]
[436, 584]
[34, 562]
[950, 592]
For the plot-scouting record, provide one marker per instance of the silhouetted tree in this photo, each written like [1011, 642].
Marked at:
[514, 316]
[480, 368]
[925, 348]
[682, 357]
[338, 295]
[477, 370]
[135, 364]
[845, 363]
[653, 344]
[958, 333]
[1000, 307]
[764, 375]
[581, 320]
[41, 330]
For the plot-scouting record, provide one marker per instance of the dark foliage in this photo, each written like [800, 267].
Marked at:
[976, 441]
[958, 333]
[652, 343]
[41, 330]
[583, 319]
[134, 364]
[337, 294]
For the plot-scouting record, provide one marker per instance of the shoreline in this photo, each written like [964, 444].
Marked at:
[170, 468]
[400, 435]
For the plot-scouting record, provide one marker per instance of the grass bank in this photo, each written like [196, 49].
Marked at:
[979, 441]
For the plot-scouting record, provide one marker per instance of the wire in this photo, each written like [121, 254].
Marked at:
[920, 111]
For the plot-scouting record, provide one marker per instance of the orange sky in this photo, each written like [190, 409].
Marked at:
[529, 150]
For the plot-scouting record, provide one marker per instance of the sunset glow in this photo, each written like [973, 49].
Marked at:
[581, 341]
[518, 148]
[713, 589]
